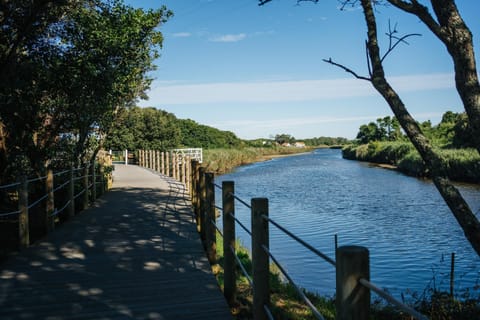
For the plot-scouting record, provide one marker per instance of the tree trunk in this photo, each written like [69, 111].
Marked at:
[459, 207]
[455, 35]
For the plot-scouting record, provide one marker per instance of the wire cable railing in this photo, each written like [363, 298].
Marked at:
[362, 281]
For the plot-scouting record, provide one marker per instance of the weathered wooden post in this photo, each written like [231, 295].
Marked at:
[184, 170]
[452, 273]
[158, 161]
[85, 187]
[23, 228]
[167, 164]
[162, 162]
[193, 188]
[188, 175]
[260, 258]
[210, 218]
[126, 157]
[94, 181]
[50, 203]
[228, 205]
[352, 299]
[201, 198]
[71, 193]
[140, 158]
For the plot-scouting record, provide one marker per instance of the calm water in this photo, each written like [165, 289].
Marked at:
[402, 220]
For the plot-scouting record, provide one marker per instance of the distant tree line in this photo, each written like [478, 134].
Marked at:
[453, 131]
[150, 128]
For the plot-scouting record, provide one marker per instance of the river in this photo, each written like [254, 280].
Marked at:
[403, 221]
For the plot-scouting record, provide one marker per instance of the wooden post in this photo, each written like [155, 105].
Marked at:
[85, 187]
[188, 175]
[162, 163]
[158, 161]
[260, 258]
[140, 158]
[50, 203]
[174, 166]
[201, 199]
[94, 182]
[167, 164]
[23, 228]
[229, 267]
[184, 170]
[210, 219]
[126, 157]
[193, 188]
[352, 299]
[71, 193]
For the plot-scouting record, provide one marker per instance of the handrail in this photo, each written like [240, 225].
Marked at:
[317, 314]
[30, 206]
[305, 244]
[36, 179]
[242, 267]
[240, 200]
[392, 300]
[11, 185]
[241, 224]
[9, 213]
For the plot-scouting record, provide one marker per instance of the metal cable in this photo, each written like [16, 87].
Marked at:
[63, 208]
[219, 208]
[9, 213]
[38, 201]
[392, 300]
[241, 224]
[79, 194]
[60, 173]
[268, 312]
[317, 314]
[36, 179]
[218, 186]
[61, 186]
[11, 185]
[305, 244]
[244, 271]
[240, 200]
[216, 227]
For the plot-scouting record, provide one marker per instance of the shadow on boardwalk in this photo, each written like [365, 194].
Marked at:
[127, 257]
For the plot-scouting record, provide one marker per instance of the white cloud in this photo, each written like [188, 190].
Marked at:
[181, 35]
[287, 91]
[229, 38]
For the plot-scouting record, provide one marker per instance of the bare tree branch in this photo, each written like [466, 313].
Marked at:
[391, 36]
[346, 69]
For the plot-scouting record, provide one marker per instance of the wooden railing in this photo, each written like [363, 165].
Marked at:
[58, 196]
[351, 263]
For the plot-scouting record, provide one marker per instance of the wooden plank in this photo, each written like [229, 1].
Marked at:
[125, 257]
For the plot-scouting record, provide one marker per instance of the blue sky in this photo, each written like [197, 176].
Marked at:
[258, 71]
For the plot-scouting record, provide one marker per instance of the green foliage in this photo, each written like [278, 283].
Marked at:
[326, 141]
[150, 128]
[68, 67]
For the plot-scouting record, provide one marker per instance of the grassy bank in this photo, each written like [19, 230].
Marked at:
[461, 165]
[225, 160]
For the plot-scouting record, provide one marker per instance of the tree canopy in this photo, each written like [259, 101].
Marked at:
[68, 68]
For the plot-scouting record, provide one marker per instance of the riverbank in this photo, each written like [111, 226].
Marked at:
[461, 165]
[221, 161]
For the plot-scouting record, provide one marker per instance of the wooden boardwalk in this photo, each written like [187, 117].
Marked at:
[127, 257]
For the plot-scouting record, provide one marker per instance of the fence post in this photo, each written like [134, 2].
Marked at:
[158, 161]
[101, 170]
[210, 218]
[126, 157]
[85, 187]
[228, 205]
[50, 203]
[140, 158]
[23, 228]
[162, 162]
[260, 258]
[201, 199]
[71, 193]
[167, 164]
[193, 189]
[94, 182]
[352, 299]
[188, 175]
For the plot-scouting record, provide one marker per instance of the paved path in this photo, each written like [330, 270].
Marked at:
[127, 257]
